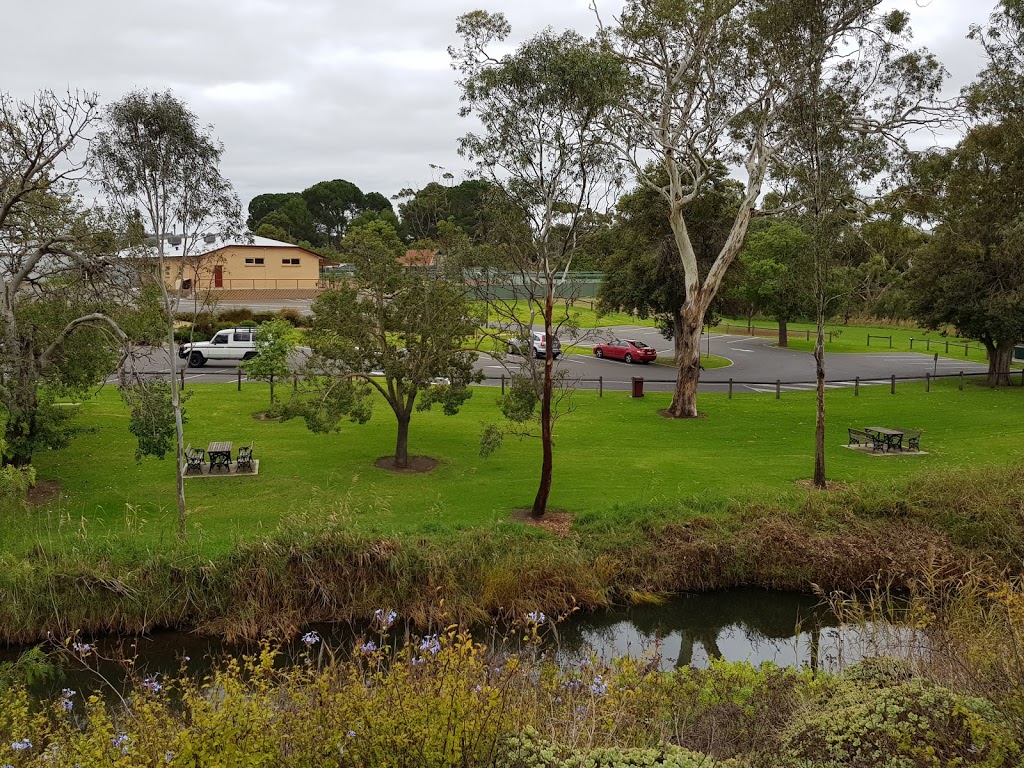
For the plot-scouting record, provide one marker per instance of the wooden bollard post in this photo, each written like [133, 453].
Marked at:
[892, 389]
[778, 389]
[239, 379]
[856, 387]
[730, 387]
[947, 346]
[600, 386]
[808, 333]
[503, 384]
[927, 382]
[961, 381]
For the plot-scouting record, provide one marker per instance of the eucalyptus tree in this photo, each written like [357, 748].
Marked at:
[154, 161]
[701, 91]
[853, 93]
[62, 291]
[540, 112]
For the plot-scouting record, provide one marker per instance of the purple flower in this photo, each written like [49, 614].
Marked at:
[430, 644]
[82, 648]
[121, 741]
[168, 756]
[418, 660]
[478, 688]
[310, 639]
[368, 647]
[600, 687]
[384, 619]
[150, 684]
[19, 746]
[536, 617]
[351, 734]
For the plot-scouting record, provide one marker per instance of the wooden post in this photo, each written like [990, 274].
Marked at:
[730, 387]
[778, 389]
[856, 387]
[892, 390]
[830, 337]
[239, 379]
[503, 384]
[808, 334]
[600, 386]
[947, 346]
[911, 343]
[182, 372]
[927, 382]
[961, 381]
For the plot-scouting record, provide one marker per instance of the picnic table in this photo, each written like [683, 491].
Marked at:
[893, 437]
[220, 455]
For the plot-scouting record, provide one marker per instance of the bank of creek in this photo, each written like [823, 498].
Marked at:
[753, 625]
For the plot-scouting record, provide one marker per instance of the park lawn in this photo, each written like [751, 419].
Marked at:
[854, 338]
[615, 459]
[585, 316]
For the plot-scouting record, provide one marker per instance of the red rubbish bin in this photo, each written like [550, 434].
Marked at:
[638, 386]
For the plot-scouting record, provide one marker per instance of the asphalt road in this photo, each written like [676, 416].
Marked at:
[756, 365]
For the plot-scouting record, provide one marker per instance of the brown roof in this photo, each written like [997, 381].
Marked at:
[421, 258]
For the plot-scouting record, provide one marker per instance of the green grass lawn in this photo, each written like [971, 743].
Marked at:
[612, 455]
[854, 338]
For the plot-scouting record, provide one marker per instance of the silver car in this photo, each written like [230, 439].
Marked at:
[536, 342]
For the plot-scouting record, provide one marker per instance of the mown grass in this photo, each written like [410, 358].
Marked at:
[854, 338]
[614, 457]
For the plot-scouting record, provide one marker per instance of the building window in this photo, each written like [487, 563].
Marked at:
[290, 262]
[254, 261]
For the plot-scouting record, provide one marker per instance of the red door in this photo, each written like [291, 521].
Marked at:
[218, 276]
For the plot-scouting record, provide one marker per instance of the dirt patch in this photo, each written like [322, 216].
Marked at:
[417, 465]
[43, 493]
[666, 415]
[556, 521]
[830, 485]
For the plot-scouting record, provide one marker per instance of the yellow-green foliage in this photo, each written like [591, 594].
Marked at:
[877, 721]
[449, 701]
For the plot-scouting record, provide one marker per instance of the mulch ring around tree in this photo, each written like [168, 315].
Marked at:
[556, 521]
[43, 492]
[417, 465]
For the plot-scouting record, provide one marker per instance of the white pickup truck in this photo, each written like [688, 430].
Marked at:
[227, 344]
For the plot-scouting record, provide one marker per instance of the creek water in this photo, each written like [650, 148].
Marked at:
[750, 625]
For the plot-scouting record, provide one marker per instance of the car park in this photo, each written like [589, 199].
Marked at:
[227, 344]
[535, 342]
[626, 350]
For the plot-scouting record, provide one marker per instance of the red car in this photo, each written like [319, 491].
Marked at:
[630, 351]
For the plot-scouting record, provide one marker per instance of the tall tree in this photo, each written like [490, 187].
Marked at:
[701, 91]
[400, 331]
[61, 286]
[842, 121]
[540, 111]
[971, 273]
[153, 159]
[332, 204]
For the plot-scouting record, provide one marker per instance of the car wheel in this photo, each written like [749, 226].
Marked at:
[628, 358]
[512, 349]
[248, 355]
[598, 353]
[539, 355]
[196, 360]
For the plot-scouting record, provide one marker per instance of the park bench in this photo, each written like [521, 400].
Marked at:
[244, 461]
[861, 437]
[194, 458]
[912, 439]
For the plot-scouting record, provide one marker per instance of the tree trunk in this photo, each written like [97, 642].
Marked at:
[402, 441]
[999, 357]
[783, 333]
[179, 426]
[819, 424]
[540, 501]
[684, 396]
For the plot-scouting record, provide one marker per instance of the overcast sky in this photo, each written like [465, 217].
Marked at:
[305, 90]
